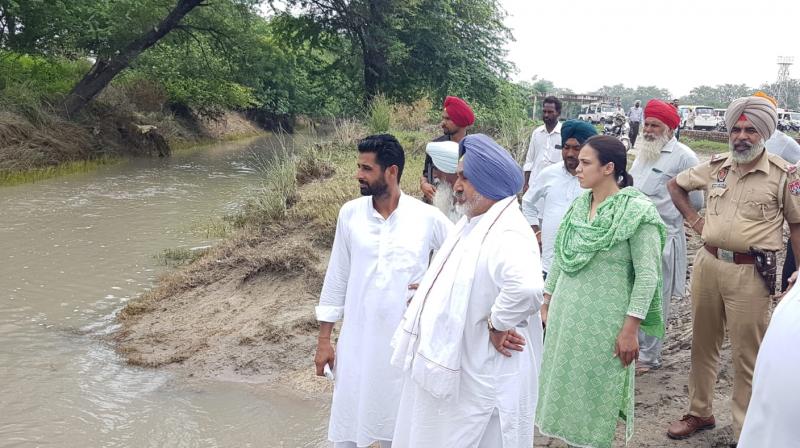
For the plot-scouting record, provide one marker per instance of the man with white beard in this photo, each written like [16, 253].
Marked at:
[444, 157]
[660, 158]
[750, 194]
[470, 341]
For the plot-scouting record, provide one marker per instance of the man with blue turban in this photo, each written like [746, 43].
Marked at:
[483, 287]
[554, 189]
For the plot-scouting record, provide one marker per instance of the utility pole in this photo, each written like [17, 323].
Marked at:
[782, 93]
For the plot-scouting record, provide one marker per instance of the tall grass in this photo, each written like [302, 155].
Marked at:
[379, 115]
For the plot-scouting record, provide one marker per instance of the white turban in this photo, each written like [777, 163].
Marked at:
[759, 111]
[444, 155]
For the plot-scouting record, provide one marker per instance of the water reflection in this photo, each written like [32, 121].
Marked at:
[72, 251]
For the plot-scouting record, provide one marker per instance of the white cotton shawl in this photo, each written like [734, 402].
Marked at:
[434, 355]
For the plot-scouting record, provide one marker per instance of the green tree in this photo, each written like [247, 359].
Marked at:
[410, 47]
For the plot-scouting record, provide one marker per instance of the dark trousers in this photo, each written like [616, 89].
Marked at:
[634, 132]
[789, 266]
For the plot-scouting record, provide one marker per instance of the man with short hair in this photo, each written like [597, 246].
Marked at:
[750, 194]
[675, 103]
[635, 118]
[545, 145]
[457, 116]
[470, 342]
[660, 158]
[382, 245]
[444, 156]
[554, 189]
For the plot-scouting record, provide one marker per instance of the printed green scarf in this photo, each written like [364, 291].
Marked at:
[616, 220]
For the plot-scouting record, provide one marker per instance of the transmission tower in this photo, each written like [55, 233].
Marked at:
[782, 93]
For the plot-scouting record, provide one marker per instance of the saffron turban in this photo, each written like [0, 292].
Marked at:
[444, 155]
[459, 111]
[490, 168]
[764, 95]
[664, 112]
[760, 111]
[577, 129]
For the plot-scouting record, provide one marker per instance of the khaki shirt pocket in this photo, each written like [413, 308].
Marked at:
[716, 201]
[760, 206]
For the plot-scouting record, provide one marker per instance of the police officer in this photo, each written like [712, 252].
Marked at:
[750, 192]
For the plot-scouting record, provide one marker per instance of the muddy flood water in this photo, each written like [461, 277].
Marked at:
[73, 250]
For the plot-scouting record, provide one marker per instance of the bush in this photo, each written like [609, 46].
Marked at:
[379, 116]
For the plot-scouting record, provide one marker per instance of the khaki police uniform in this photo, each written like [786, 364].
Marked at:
[744, 209]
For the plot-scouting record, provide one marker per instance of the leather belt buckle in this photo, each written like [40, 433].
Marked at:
[725, 255]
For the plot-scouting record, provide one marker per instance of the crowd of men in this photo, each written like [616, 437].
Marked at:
[443, 304]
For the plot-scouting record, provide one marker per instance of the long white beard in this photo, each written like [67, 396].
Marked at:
[443, 199]
[650, 150]
[467, 207]
[750, 155]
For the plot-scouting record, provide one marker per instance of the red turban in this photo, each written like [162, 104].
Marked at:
[665, 112]
[459, 111]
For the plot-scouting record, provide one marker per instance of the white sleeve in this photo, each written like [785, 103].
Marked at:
[530, 156]
[533, 198]
[696, 197]
[441, 229]
[515, 267]
[791, 151]
[334, 289]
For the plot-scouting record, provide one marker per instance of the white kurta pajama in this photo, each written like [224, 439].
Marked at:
[773, 416]
[373, 260]
[651, 178]
[547, 201]
[459, 391]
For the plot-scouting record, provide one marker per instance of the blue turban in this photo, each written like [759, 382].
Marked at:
[490, 168]
[577, 129]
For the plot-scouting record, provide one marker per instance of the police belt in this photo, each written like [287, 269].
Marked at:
[730, 256]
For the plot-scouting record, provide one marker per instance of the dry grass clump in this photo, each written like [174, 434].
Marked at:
[314, 163]
[415, 116]
[24, 146]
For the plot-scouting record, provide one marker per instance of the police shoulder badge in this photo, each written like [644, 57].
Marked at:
[722, 174]
[791, 169]
[794, 187]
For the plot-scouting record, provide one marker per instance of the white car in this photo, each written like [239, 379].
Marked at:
[705, 118]
[598, 112]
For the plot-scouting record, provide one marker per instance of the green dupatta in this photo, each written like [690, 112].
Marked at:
[616, 220]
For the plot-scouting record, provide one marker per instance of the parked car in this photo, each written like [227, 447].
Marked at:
[705, 118]
[598, 112]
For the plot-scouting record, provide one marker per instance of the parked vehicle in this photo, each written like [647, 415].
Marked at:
[598, 112]
[619, 128]
[705, 118]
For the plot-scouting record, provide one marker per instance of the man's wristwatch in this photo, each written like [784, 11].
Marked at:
[489, 323]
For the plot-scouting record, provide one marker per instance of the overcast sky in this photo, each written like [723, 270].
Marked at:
[674, 44]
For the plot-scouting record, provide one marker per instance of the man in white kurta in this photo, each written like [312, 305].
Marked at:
[373, 261]
[660, 158]
[773, 416]
[470, 380]
[544, 148]
[554, 188]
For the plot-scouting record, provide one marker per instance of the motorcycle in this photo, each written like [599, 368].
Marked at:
[620, 129]
[721, 127]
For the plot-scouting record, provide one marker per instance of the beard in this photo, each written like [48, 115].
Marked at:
[377, 188]
[651, 146]
[444, 200]
[468, 207]
[747, 156]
